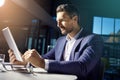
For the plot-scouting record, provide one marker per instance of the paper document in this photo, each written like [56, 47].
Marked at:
[11, 43]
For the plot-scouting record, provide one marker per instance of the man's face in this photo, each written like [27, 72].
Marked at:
[65, 23]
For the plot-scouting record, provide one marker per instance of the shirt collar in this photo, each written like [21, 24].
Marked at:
[75, 37]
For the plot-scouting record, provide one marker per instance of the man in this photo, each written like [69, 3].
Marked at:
[77, 53]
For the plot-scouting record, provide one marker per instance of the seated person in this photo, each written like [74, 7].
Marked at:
[77, 53]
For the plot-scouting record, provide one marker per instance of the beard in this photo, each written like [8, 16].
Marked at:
[66, 31]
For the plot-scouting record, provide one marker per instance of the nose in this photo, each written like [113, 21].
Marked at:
[59, 23]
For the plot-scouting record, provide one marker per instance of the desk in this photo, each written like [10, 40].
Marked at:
[39, 74]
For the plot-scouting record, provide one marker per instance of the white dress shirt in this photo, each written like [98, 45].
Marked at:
[68, 48]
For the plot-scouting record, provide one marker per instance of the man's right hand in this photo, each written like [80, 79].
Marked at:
[13, 59]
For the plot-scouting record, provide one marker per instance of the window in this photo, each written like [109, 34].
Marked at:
[97, 25]
[117, 26]
[107, 26]
[109, 29]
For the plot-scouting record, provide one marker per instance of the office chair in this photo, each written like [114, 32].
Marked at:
[101, 71]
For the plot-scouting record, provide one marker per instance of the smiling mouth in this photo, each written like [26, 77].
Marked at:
[62, 29]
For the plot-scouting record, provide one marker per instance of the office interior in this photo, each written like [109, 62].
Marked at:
[33, 25]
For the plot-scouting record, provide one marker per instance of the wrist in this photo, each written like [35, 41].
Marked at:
[42, 65]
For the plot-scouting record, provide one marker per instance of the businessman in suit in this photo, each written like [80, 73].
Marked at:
[77, 52]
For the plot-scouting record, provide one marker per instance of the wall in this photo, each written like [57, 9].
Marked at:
[90, 8]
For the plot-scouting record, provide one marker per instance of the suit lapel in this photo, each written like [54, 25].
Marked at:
[78, 41]
[61, 49]
[74, 48]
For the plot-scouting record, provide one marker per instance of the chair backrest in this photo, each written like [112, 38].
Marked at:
[101, 71]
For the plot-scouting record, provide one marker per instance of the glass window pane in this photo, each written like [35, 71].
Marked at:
[30, 43]
[117, 26]
[97, 25]
[108, 39]
[108, 26]
[117, 39]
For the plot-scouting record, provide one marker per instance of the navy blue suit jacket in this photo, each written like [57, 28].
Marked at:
[84, 59]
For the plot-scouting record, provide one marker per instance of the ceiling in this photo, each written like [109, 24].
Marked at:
[11, 14]
[22, 12]
[15, 13]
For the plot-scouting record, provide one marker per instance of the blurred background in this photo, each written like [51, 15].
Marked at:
[33, 25]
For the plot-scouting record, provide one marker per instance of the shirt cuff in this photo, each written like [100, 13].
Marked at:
[46, 64]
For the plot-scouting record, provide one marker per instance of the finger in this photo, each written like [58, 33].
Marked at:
[13, 61]
[16, 62]
[27, 55]
[12, 58]
[11, 54]
[10, 50]
[33, 51]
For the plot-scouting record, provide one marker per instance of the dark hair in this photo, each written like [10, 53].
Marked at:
[70, 9]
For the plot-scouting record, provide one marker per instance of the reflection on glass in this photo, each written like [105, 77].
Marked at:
[108, 39]
[108, 26]
[30, 43]
[97, 25]
[117, 26]
[117, 39]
